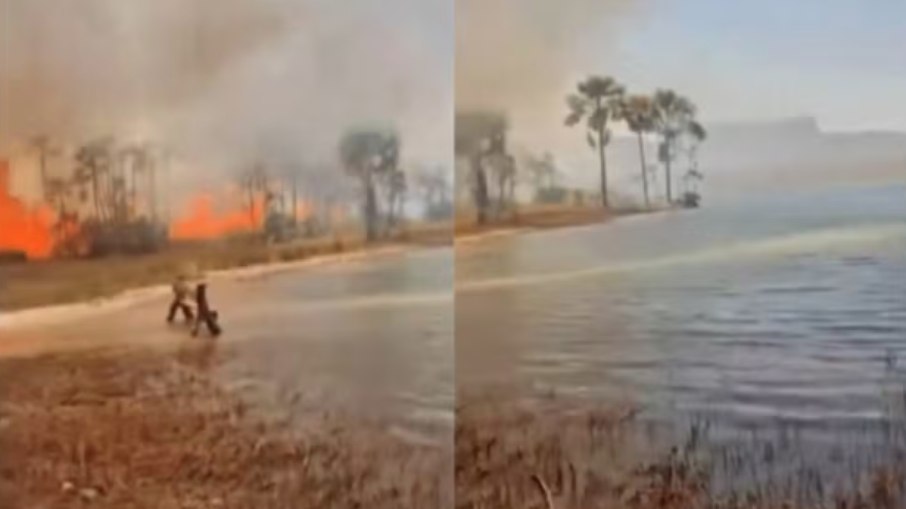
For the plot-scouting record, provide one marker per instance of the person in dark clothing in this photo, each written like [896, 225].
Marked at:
[180, 295]
[206, 315]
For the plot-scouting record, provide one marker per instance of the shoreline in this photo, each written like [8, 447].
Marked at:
[62, 285]
[537, 218]
[260, 260]
[57, 313]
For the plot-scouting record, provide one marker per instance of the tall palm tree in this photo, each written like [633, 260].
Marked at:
[596, 101]
[638, 113]
[674, 116]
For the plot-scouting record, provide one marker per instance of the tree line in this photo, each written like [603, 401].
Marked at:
[106, 200]
[598, 104]
[106, 194]
[601, 101]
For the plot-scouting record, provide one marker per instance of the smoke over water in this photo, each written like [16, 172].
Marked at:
[224, 82]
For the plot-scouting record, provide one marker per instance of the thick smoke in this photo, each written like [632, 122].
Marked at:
[519, 54]
[224, 82]
[522, 57]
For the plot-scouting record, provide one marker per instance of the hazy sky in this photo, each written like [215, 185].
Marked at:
[290, 75]
[843, 61]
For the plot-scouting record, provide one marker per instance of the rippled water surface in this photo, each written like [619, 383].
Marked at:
[789, 308]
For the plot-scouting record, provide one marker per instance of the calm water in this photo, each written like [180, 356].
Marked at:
[787, 309]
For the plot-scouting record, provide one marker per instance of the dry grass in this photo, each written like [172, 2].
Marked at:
[66, 281]
[147, 431]
[548, 456]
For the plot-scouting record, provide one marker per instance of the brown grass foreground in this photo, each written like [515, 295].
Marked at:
[66, 281]
[548, 456]
[147, 431]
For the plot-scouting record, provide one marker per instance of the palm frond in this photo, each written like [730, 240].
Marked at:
[697, 130]
[598, 120]
[573, 118]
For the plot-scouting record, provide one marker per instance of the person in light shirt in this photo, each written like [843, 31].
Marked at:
[181, 291]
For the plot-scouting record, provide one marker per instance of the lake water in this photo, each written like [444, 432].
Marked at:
[783, 311]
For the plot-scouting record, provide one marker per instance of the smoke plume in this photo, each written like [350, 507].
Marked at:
[225, 82]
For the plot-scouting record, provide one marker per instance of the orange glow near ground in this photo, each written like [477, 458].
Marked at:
[22, 228]
[203, 221]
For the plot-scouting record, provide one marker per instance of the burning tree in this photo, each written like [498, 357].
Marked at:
[117, 178]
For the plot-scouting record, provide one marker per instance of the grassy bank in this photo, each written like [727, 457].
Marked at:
[145, 430]
[65, 281]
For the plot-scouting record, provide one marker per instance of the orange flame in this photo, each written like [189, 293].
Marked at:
[203, 222]
[21, 228]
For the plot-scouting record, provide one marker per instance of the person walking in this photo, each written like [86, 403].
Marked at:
[206, 315]
[181, 293]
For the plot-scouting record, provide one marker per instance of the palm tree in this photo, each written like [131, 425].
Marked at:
[365, 155]
[596, 101]
[674, 116]
[639, 114]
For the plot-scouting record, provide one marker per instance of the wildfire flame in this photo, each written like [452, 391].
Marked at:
[203, 221]
[22, 228]
[36, 230]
